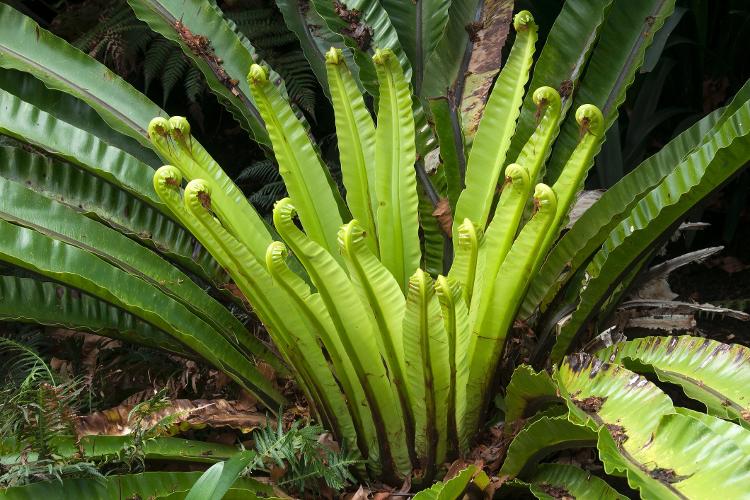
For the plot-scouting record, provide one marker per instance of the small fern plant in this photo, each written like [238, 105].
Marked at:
[35, 410]
[303, 459]
[408, 360]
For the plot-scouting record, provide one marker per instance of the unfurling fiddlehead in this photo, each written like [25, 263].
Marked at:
[488, 336]
[465, 263]
[357, 336]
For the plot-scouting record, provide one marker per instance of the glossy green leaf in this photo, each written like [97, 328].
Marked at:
[571, 481]
[99, 200]
[436, 246]
[452, 153]
[528, 392]
[626, 34]
[570, 181]
[590, 231]
[385, 304]
[537, 148]
[395, 181]
[451, 489]
[466, 259]
[598, 392]
[27, 47]
[487, 156]
[291, 334]
[46, 303]
[67, 108]
[592, 228]
[713, 373]
[357, 333]
[173, 140]
[445, 68]
[663, 454]
[217, 480]
[692, 180]
[313, 310]
[144, 485]
[499, 239]
[562, 61]
[30, 124]
[356, 140]
[420, 26]
[727, 430]
[456, 319]
[223, 56]
[428, 370]
[97, 448]
[27, 208]
[306, 178]
[76, 267]
[375, 31]
[541, 438]
[489, 331]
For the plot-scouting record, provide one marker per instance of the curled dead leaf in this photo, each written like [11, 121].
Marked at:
[443, 215]
[184, 412]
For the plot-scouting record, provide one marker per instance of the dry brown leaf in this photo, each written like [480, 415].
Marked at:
[360, 494]
[443, 215]
[488, 38]
[209, 412]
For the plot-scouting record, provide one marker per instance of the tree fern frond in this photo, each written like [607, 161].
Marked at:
[259, 173]
[277, 45]
[265, 197]
[118, 13]
[154, 57]
[272, 39]
[254, 21]
[193, 83]
[174, 68]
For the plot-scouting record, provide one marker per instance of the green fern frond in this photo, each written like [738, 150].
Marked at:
[154, 57]
[266, 29]
[299, 452]
[258, 173]
[193, 83]
[175, 68]
[20, 363]
[265, 197]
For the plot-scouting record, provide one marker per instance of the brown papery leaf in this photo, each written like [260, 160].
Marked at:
[443, 215]
[198, 412]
